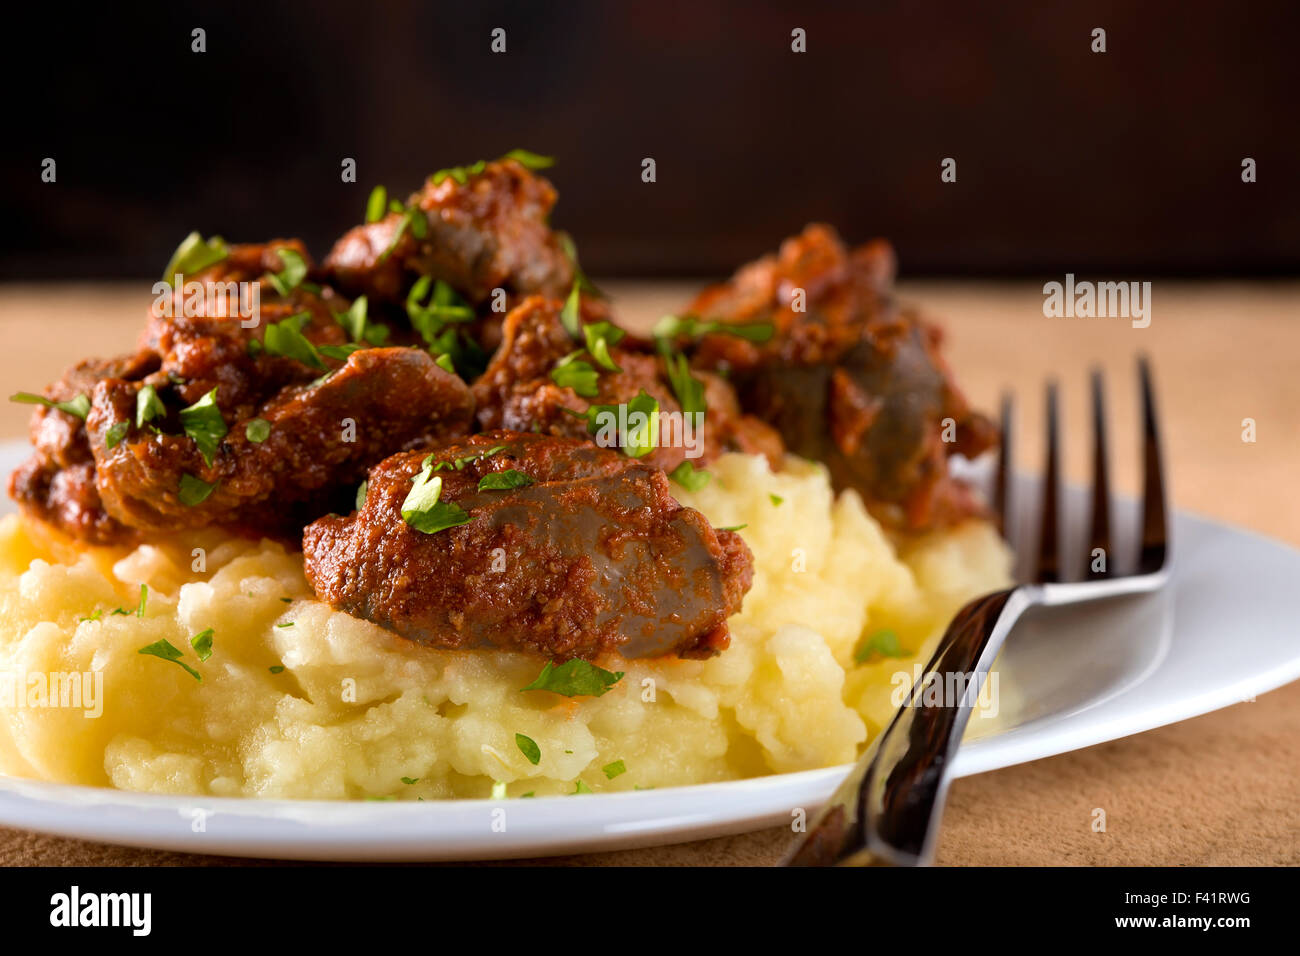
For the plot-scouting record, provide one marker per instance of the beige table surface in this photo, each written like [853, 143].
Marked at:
[1220, 789]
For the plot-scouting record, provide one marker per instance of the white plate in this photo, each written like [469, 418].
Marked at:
[1224, 631]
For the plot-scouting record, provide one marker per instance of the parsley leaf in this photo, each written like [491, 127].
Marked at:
[362, 489]
[376, 203]
[571, 253]
[642, 435]
[286, 338]
[167, 651]
[148, 406]
[883, 643]
[202, 421]
[575, 678]
[528, 747]
[572, 372]
[144, 599]
[116, 432]
[530, 160]
[445, 306]
[581, 788]
[358, 328]
[693, 327]
[291, 276]
[202, 643]
[423, 511]
[615, 769]
[257, 430]
[776, 500]
[688, 389]
[504, 480]
[78, 407]
[688, 477]
[599, 337]
[195, 254]
[569, 315]
[194, 491]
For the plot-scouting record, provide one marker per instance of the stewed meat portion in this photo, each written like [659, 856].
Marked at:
[251, 420]
[535, 543]
[479, 231]
[545, 378]
[846, 375]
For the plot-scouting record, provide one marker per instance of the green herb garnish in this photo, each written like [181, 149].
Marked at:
[423, 511]
[569, 315]
[575, 678]
[882, 643]
[735, 527]
[165, 650]
[572, 372]
[581, 788]
[148, 406]
[195, 254]
[410, 780]
[202, 421]
[279, 669]
[642, 437]
[286, 338]
[688, 389]
[144, 598]
[599, 336]
[116, 432]
[504, 480]
[361, 494]
[291, 276]
[528, 747]
[530, 160]
[689, 477]
[78, 407]
[376, 203]
[612, 770]
[693, 327]
[776, 500]
[194, 491]
[257, 430]
[202, 643]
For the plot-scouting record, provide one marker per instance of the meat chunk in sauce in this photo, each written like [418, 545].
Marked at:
[490, 231]
[544, 379]
[319, 418]
[566, 550]
[847, 376]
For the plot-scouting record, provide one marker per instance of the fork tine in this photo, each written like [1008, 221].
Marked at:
[1002, 481]
[1049, 538]
[1099, 535]
[1155, 512]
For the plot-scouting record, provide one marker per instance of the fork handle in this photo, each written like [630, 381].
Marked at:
[887, 811]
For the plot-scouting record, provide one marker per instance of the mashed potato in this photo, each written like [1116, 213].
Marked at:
[300, 701]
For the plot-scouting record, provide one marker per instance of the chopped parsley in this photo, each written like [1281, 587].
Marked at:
[195, 254]
[376, 204]
[458, 464]
[776, 500]
[571, 253]
[148, 406]
[569, 315]
[144, 598]
[530, 160]
[693, 327]
[116, 432]
[286, 624]
[194, 491]
[78, 407]
[286, 339]
[689, 477]
[572, 372]
[167, 651]
[882, 643]
[339, 352]
[612, 770]
[413, 219]
[291, 276]
[445, 363]
[504, 480]
[581, 788]
[98, 613]
[279, 669]
[641, 437]
[599, 337]
[257, 430]
[688, 389]
[444, 306]
[358, 327]
[735, 527]
[528, 747]
[461, 174]
[202, 643]
[361, 494]
[423, 511]
[575, 678]
[202, 421]
[410, 780]
[498, 790]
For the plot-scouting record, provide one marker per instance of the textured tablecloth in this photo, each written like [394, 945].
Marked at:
[1220, 789]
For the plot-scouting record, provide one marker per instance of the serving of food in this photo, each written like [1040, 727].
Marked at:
[423, 520]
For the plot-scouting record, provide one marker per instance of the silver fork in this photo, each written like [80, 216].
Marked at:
[887, 811]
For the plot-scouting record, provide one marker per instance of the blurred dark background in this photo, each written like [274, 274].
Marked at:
[1124, 162]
